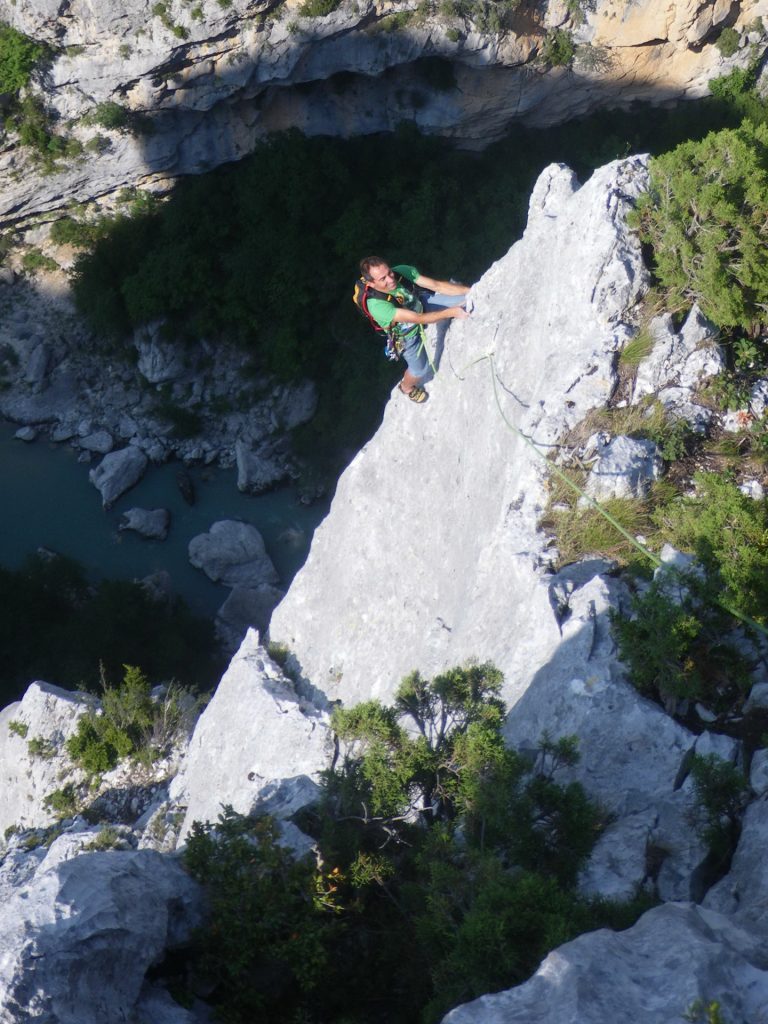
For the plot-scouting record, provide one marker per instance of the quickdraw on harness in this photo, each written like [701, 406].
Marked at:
[364, 291]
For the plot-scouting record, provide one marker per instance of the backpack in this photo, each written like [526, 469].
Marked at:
[364, 290]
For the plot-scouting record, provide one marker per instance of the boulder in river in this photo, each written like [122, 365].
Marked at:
[257, 472]
[117, 473]
[233, 553]
[151, 523]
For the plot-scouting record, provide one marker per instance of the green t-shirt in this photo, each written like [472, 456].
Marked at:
[383, 311]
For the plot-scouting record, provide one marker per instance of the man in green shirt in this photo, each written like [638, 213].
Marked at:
[405, 313]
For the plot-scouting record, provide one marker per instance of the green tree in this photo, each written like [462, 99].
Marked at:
[18, 56]
[268, 941]
[722, 795]
[433, 838]
[705, 216]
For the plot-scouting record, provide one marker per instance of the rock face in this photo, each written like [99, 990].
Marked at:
[242, 609]
[256, 746]
[431, 554]
[211, 86]
[232, 553]
[627, 977]
[48, 715]
[432, 536]
[77, 938]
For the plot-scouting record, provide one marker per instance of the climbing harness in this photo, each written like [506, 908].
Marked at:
[364, 291]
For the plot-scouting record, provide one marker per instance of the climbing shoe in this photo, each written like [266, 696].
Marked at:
[416, 394]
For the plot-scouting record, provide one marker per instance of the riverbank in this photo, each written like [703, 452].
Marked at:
[51, 503]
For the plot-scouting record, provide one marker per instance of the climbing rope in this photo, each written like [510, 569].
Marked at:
[645, 551]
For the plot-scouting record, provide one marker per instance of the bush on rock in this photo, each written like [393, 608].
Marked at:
[433, 837]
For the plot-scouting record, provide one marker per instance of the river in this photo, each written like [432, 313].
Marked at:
[49, 502]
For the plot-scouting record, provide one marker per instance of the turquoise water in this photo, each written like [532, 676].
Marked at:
[48, 501]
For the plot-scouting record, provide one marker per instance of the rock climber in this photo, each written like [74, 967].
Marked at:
[401, 311]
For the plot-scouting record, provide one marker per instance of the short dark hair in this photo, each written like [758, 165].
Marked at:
[367, 263]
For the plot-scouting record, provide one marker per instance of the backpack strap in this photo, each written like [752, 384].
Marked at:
[364, 291]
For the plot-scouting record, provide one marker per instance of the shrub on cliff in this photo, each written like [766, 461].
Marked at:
[130, 724]
[704, 216]
[433, 838]
[678, 640]
[18, 56]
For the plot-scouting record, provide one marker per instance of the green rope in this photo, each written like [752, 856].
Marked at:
[567, 480]
[423, 345]
[597, 506]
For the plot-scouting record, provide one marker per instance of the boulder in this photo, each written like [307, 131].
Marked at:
[257, 746]
[257, 473]
[233, 553]
[150, 523]
[77, 939]
[245, 608]
[675, 957]
[117, 473]
[158, 585]
[99, 441]
[625, 468]
[159, 360]
[26, 434]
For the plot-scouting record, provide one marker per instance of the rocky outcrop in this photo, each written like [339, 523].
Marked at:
[627, 977]
[258, 746]
[33, 732]
[200, 89]
[676, 365]
[78, 934]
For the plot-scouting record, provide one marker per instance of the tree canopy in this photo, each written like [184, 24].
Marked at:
[706, 216]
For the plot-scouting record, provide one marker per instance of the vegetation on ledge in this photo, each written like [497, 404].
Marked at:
[433, 838]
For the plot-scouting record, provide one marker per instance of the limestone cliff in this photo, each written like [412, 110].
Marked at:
[431, 554]
[209, 79]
